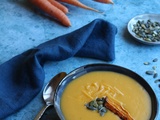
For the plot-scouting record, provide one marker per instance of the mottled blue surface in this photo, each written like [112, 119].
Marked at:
[21, 28]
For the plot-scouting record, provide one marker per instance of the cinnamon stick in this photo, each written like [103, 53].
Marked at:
[117, 109]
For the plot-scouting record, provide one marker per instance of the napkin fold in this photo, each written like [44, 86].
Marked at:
[22, 77]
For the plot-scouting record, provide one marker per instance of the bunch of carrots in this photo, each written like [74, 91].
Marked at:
[57, 10]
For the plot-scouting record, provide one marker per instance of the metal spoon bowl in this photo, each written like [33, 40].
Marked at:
[48, 92]
[144, 17]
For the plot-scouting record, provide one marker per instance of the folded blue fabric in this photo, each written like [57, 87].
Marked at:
[22, 77]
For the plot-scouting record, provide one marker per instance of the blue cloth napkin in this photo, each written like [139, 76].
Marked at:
[22, 77]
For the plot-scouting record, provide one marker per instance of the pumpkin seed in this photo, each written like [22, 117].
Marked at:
[155, 60]
[156, 81]
[102, 111]
[150, 72]
[99, 99]
[93, 103]
[143, 26]
[90, 107]
[100, 106]
[146, 63]
[154, 67]
[99, 102]
[155, 75]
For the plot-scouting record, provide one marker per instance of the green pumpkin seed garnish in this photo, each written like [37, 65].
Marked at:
[102, 111]
[100, 102]
[97, 105]
[90, 107]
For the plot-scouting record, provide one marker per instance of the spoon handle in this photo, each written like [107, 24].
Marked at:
[41, 112]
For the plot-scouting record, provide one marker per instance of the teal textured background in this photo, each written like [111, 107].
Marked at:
[22, 28]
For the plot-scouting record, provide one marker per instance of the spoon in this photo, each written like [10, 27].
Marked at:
[48, 92]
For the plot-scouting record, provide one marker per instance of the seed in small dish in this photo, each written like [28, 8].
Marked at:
[148, 31]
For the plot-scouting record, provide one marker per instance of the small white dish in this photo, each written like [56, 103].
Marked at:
[144, 17]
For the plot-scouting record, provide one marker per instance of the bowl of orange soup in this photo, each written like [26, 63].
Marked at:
[123, 91]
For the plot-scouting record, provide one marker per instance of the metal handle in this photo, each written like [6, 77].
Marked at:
[41, 112]
[48, 92]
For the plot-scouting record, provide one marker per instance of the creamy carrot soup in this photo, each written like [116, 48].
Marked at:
[121, 88]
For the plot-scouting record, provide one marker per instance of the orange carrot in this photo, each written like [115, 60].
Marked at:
[59, 5]
[105, 1]
[51, 10]
[78, 4]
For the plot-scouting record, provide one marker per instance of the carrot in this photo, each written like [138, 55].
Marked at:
[51, 10]
[78, 4]
[59, 5]
[105, 1]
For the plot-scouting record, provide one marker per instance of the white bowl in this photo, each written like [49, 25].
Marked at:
[145, 17]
